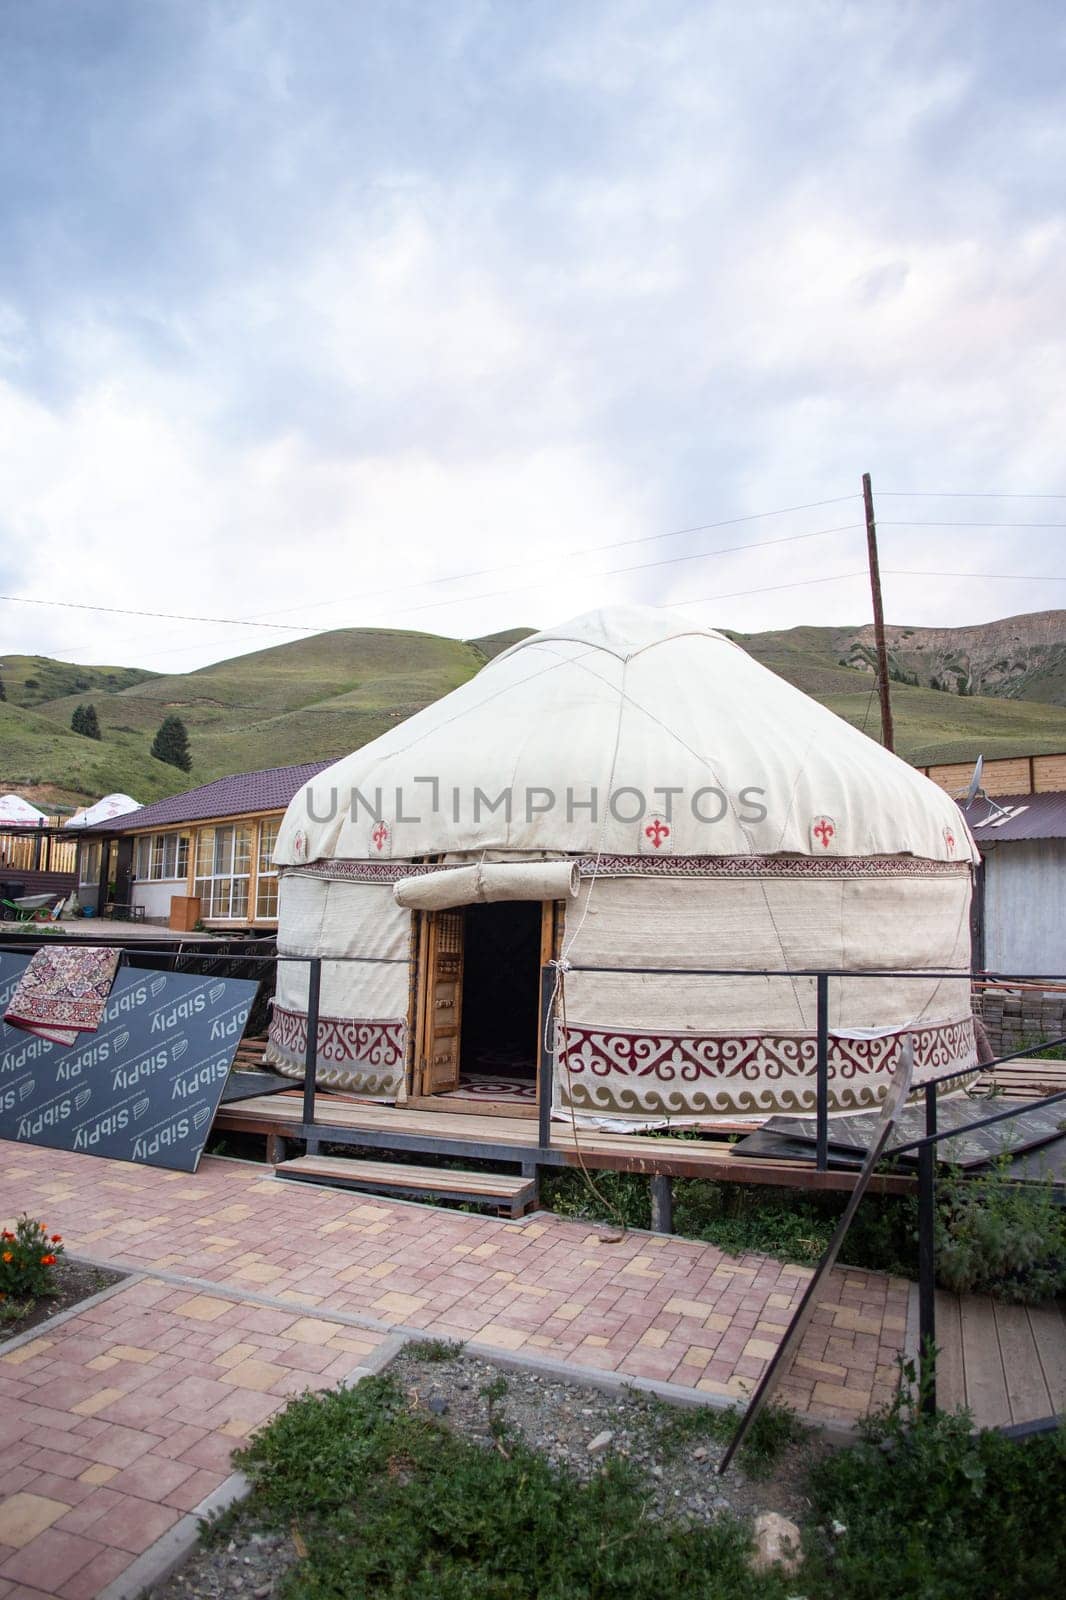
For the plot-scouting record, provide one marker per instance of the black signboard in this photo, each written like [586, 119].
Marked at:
[144, 1087]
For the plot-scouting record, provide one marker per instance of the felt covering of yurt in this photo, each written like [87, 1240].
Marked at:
[718, 818]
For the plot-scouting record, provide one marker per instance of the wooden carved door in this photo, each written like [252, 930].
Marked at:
[441, 1036]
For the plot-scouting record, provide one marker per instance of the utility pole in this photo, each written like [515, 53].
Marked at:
[887, 737]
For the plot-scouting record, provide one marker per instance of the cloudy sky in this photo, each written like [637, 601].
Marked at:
[441, 314]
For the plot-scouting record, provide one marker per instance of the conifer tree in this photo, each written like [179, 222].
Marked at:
[171, 743]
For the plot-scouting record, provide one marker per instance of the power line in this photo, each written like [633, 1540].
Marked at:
[588, 550]
[736, 594]
[1013, 577]
[307, 627]
[959, 494]
[973, 524]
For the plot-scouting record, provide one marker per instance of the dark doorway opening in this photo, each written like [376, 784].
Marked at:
[501, 988]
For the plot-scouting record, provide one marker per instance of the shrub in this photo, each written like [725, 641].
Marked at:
[27, 1261]
[1002, 1238]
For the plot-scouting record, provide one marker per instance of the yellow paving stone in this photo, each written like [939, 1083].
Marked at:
[894, 1324]
[502, 1277]
[257, 1272]
[237, 1428]
[835, 1394]
[592, 1239]
[774, 1329]
[854, 1321]
[299, 1297]
[828, 1368]
[355, 1347]
[590, 1262]
[461, 1249]
[234, 1213]
[24, 1516]
[97, 1473]
[533, 1231]
[132, 1352]
[218, 1238]
[202, 1308]
[499, 1334]
[697, 1355]
[761, 1349]
[482, 1250]
[724, 1271]
[782, 1301]
[350, 1274]
[333, 1227]
[717, 1320]
[101, 1363]
[374, 1228]
[309, 1330]
[736, 1387]
[541, 1340]
[371, 1212]
[27, 1352]
[568, 1311]
[531, 1288]
[381, 1269]
[640, 1267]
[594, 1341]
[655, 1337]
[689, 1308]
[401, 1305]
[235, 1355]
[96, 1402]
[253, 1374]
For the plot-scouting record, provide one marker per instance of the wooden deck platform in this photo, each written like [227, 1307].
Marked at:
[1005, 1363]
[508, 1138]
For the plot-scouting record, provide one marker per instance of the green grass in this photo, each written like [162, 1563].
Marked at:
[435, 1350]
[391, 1504]
[388, 1503]
[321, 697]
[677, 1428]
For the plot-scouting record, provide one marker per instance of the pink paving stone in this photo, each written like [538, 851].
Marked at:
[94, 1578]
[134, 1525]
[50, 1560]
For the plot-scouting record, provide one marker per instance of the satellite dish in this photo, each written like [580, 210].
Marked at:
[973, 788]
[973, 791]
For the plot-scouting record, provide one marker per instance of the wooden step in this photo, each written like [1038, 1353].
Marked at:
[502, 1191]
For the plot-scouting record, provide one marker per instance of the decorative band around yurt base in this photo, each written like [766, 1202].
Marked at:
[627, 1074]
[363, 1055]
[754, 866]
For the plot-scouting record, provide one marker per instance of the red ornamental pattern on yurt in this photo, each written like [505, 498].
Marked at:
[371, 1041]
[612, 1070]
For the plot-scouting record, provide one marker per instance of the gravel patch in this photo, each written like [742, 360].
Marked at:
[571, 1423]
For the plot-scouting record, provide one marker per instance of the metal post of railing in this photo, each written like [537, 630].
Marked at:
[822, 1085]
[546, 1078]
[927, 1256]
[314, 993]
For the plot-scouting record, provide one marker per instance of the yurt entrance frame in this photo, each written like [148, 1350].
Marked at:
[437, 1009]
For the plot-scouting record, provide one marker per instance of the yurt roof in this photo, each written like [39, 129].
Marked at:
[624, 704]
[15, 810]
[112, 805]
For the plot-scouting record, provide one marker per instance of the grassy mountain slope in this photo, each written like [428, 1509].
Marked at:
[318, 698]
[37, 680]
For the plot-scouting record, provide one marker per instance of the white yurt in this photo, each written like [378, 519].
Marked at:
[15, 812]
[112, 805]
[625, 791]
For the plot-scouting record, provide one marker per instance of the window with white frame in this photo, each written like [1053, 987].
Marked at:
[266, 895]
[89, 864]
[223, 865]
[162, 857]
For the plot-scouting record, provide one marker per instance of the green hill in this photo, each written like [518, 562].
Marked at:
[320, 697]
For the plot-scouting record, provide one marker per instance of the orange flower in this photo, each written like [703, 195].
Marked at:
[57, 1238]
[48, 1261]
[7, 1234]
[8, 1256]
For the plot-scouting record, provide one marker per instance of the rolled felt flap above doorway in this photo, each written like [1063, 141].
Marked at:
[493, 880]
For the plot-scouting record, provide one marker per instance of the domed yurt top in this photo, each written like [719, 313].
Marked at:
[112, 805]
[627, 731]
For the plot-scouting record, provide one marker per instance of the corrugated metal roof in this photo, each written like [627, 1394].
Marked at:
[268, 790]
[1028, 816]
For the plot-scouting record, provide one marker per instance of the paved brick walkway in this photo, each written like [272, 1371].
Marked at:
[121, 1419]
